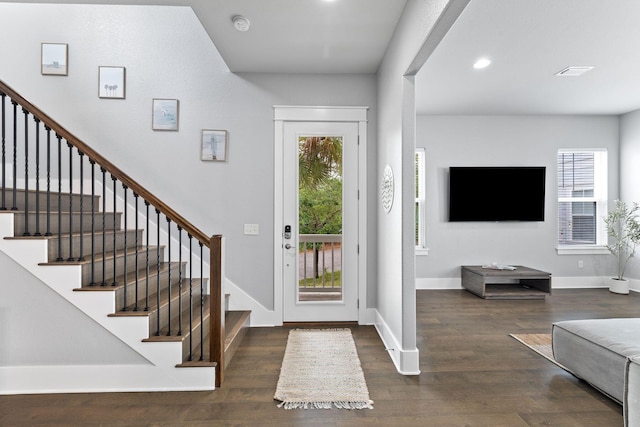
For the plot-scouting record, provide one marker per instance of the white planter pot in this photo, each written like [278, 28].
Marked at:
[619, 286]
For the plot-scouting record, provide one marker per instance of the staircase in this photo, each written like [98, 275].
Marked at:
[115, 251]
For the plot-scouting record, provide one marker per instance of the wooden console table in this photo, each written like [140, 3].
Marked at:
[521, 283]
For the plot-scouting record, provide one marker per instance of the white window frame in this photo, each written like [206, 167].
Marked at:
[421, 246]
[600, 197]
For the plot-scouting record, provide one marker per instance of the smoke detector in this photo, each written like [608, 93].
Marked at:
[241, 23]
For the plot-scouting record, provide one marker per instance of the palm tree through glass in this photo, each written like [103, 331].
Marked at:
[320, 218]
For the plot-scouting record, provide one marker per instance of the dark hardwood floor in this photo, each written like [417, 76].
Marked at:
[473, 374]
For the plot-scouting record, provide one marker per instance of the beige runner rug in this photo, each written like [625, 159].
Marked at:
[321, 370]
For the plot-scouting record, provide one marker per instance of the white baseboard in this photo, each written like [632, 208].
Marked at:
[557, 282]
[103, 378]
[406, 361]
[577, 282]
[438, 283]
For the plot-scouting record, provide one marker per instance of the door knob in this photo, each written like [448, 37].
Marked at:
[288, 246]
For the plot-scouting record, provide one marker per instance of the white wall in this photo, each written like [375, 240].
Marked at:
[168, 54]
[506, 141]
[396, 280]
[629, 171]
[29, 308]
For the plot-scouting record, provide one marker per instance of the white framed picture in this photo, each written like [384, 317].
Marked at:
[111, 82]
[165, 114]
[54, 59]
[213, 145]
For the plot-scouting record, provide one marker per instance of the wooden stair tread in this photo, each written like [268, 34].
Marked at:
[193, 325]
[236, 325]
[74, 234]
[109, 256]
[196, 321]
[131, 278]
[234, 322]
[164, 299]
[197, 364]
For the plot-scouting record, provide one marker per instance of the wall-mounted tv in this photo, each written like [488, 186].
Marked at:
[496, 193]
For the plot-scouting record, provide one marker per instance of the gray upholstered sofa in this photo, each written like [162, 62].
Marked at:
[632, 393]
[605, 353]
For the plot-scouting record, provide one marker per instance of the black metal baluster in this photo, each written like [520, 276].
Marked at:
[136, 307]
[81, 257]
[190, 297]
[26, 173]
[93, 222]
[104, 226]
[115, 258]
[15, 153]
[59, 138]
[125, 188]
[48, 232]
[202, 303]
[71, 258]
[37, 233]
[3, 205]
[158, 271]
[179, 281]
[146, 295]
[169, 276]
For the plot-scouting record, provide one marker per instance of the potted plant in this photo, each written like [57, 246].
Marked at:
[623, 229]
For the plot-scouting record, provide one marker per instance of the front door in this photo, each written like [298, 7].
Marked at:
[320, 229]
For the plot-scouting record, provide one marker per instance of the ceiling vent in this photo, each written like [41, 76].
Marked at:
[573, 71]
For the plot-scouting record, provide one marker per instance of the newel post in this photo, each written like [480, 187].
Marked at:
[216, 318]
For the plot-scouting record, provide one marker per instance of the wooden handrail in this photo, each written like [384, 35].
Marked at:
[213, 243]
[106, 165]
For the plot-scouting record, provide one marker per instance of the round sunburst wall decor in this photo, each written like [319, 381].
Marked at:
[386, 191]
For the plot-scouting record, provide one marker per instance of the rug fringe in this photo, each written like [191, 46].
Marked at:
[326, 405]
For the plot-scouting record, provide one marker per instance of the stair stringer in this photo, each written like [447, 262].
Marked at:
[160, 374]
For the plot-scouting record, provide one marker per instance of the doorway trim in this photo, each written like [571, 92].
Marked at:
[282, 114]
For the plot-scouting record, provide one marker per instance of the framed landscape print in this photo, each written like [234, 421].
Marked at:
[165, 114]
[54, 59]
[214, 145]
[111, 82]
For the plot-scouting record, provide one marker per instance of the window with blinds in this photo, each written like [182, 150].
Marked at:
[582, 197]
[420, 199]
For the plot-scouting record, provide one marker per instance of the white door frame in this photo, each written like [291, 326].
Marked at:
[284, 114]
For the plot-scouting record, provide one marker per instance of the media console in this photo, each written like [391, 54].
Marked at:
[521, 283]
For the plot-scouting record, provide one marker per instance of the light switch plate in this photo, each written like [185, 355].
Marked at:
[251, 229]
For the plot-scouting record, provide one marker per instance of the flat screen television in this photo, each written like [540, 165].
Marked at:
[496, 193]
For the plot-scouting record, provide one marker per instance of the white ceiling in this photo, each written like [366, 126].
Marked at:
[290, 36]
[302, 36]
[528, 41]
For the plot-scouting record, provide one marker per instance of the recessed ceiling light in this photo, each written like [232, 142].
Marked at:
[482, 63]
[241, 23]
[573, 71]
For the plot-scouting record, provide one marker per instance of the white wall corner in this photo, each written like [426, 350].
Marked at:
[367, 316]
[240, 300]
[407, 362]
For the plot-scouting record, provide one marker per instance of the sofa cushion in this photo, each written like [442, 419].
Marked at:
[596, 350]
[632, 393]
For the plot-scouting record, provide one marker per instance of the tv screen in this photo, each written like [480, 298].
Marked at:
[496, 193]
